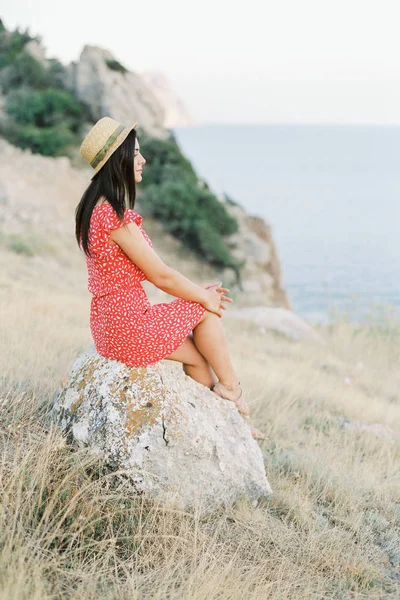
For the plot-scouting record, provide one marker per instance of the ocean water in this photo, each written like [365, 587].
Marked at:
[332, 197]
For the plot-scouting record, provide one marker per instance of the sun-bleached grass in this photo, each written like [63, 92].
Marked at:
[331, 529]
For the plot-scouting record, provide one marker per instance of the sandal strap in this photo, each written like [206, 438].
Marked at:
[228, 387]
[236, 401]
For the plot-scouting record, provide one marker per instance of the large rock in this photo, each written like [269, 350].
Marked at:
[279, 320]
[176, 113]
[120, 94]
[262, 273]
[174, 439]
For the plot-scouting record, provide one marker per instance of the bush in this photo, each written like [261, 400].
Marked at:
[57, 72]
[43, 115]
[230, 201]
[178, 206]
[25, 70]
[114, 65]
[186, 206]
[162, 157]
[47, 108]
[11, 44]
[49, 141]
[28, 244]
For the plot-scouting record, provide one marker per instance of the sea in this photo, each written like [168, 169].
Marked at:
[332, 197]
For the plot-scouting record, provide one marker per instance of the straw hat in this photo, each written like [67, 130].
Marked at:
[102, 141]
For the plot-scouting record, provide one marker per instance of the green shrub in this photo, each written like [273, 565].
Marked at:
[114, 65]
[57, 72]
[185, 205]
[214, 211]
[49, 141]
[177, 204]
[11, 44]
[20, 246]
[162, 156]
[25, 70]
[212, 247]
[27, 244]
[230, 201]
[42, 115]
[44, 108]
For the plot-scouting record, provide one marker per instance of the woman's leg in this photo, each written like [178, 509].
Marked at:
[194, 363]
[209, 338]
[207, 351]
[207, 348]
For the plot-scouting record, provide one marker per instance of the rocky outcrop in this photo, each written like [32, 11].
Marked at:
[107, 88]
[280, 320]
[176, 113]
[174, 440]
[261, 275]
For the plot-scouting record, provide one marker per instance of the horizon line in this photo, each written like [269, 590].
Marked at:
[286, 124]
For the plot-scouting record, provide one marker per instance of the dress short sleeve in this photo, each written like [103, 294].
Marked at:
[105, 220]
[111, 220]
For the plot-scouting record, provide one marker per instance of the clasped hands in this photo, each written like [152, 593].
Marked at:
[216, 297]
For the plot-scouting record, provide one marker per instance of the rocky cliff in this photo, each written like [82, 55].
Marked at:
[39, 194]
[108, 88]
[262, 274]
[176, 113]
[101, 82]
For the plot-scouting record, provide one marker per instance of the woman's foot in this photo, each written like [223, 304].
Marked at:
[231, 393]
[256, 433]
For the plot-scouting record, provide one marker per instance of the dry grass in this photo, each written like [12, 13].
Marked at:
[331, 530]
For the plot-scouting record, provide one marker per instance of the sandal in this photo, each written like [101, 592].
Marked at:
[239, 401]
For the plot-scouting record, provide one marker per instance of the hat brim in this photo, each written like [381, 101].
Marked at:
[120, 139]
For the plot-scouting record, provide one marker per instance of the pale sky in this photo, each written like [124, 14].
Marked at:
[255, 61]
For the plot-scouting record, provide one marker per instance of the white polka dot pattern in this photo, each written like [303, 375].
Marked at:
[125, 326]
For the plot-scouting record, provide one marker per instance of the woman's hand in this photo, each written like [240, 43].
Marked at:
[216, 297]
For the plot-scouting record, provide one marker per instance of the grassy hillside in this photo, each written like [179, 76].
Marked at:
[332, 414]
[331, 530]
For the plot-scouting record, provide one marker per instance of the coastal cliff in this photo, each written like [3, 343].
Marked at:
[39, 193]
[38, 196]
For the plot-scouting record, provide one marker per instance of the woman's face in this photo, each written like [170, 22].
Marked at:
[138, 163]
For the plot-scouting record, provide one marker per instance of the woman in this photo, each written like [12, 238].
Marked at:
[120, 255]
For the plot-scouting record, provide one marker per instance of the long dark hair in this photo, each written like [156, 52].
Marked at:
[115, 181]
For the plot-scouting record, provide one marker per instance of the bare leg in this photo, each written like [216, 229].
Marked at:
[206, 351]
[210, 340]
[194, 363]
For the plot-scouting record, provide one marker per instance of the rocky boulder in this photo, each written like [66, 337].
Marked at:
[176, 113]
[174, 439]
[279, 320]
[262, 273]
[108, 88]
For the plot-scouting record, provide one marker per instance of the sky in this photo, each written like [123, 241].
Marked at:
[249, 62]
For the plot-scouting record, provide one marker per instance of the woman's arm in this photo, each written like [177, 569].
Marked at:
[131, 240]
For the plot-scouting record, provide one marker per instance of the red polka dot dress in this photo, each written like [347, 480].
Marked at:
[125, 326]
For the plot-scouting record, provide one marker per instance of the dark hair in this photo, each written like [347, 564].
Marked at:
[115, 180]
